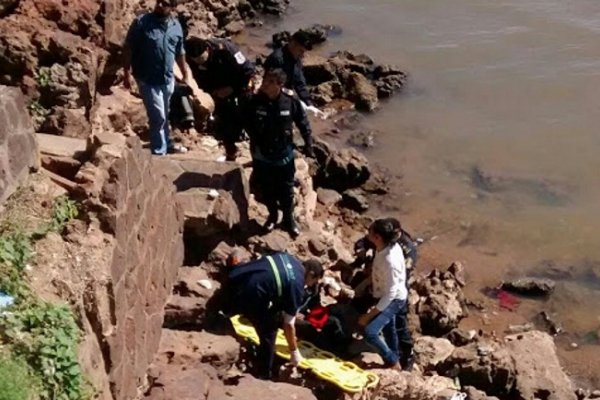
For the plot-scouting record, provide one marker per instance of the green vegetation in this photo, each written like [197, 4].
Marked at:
[40, 337]
[17, 383]
[37, 109]
[43, 76]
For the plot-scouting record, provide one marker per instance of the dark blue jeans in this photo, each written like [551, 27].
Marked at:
[385, 322]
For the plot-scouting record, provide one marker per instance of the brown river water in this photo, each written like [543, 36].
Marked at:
[494, 144]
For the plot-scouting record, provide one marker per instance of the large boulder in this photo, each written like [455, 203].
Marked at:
[340, 169]
[537, 368]
[189, 348]
[408, 386]
[183, 382]
[441, 304]
[362, 92]
[193, 296]
[486, 365]
[18, 144]
[430, 351]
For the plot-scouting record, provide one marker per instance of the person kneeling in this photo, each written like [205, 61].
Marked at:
[262, 289]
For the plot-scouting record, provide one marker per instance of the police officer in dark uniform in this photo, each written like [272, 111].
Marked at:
[261, 289]
[222, 70]
[289, 58]
[270, 116]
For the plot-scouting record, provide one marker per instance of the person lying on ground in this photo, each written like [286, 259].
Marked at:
[261, 290]
[318, 324]
[388, 277]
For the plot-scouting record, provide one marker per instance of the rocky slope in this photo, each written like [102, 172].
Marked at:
[155, 224]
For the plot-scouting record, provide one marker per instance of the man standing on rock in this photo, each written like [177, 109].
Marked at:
[289, 59]
[263, 288]
[154, 42]
[270, 116]
[222, 70]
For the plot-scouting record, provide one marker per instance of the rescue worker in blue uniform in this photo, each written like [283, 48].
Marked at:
[270, 115]
[262, 289]
[222, 70]
[289, 58]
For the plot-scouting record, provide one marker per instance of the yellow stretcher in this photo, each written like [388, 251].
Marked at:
[325, 365]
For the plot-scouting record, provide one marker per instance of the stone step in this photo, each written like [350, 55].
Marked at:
[61, 146]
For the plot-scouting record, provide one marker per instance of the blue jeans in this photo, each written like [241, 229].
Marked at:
[385, 322]
[156, 100]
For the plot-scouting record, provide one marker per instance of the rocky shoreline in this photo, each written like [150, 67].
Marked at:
[64, 58]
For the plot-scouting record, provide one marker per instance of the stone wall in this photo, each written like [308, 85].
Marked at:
[18, 146]
[133, 202]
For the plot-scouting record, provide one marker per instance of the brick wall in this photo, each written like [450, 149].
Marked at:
[135, 202]
[18, 146]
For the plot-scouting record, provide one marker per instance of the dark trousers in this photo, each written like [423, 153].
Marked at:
[229, 125]
[266, 327]
[276, 186]
[334, 336]
[405, 341]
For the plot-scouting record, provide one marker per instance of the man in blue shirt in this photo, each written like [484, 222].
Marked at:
[154, 42]
[263, 288]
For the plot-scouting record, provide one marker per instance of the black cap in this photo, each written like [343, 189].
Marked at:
[303, 38]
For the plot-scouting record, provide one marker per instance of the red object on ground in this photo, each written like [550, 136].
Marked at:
[507, 300]
[318, 317]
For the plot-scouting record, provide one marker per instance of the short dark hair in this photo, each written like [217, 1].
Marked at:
[168, 3]
[314, 268]
[303, 39]
[388, 230]
[278, 74]
[195, 46]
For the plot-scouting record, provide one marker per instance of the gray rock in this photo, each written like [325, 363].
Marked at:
[354, 200]
[328, 197]
[530, 286]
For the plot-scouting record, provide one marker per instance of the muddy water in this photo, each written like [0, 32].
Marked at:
[494, 144]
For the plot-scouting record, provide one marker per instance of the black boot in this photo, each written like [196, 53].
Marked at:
[290, 225]
[271, 220]
[407, 359]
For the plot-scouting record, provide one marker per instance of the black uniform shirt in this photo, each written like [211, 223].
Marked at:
[282, 58]
[226, 66]
[269, 124]
[257, 285]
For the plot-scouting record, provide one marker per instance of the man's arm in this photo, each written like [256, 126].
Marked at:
[289, 331]
[180, 58]
[300, 84]
[183, 67]
[301, 121]
[130, 41]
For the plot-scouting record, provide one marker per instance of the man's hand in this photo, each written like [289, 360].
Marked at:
[364, 319]
[300, 317]
[296, 358]
[223, 93]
